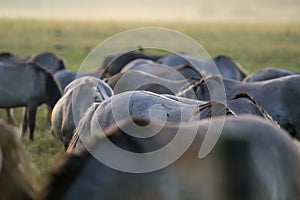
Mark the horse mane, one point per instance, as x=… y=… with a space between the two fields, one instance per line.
x=183 y=66
x=259 y=107
x=191 y=87
x=209 y=105
x=52 y=86
x=197 y=83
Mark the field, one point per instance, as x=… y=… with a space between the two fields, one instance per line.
x=254 y=45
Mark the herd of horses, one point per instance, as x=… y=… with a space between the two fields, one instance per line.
x=141 y=102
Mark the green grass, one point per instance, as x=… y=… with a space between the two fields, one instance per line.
x=254 y=45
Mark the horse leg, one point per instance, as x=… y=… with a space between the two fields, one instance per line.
x=10 y=114
x=25 y=121
x=31 y=115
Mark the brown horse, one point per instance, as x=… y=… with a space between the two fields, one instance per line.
x=16 y=177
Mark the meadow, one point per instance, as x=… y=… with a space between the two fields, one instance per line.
x=254 y=45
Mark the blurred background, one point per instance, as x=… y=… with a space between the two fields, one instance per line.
x=155 y=10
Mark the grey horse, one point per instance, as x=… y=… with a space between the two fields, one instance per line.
x=249 y=162
x=279 y=97
x=66 y=76
x=240 y=104
x=77 y=98
x=48 y=60
x=267 y=74
x=138 y=80
x=27 y=85
x=181 y=72
x=147 y=106
x=113 y=64
x=227 y=67
x=8 y=57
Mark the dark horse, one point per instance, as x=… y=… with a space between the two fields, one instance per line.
x=244 y=164
x=114 y=64
x=28 y=85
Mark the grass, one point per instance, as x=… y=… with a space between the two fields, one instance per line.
x=254 y=45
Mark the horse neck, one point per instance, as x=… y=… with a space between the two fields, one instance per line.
x=52 y=89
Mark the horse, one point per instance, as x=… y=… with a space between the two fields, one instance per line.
x=148 y=106
x=8 y=57
x=17 y=180
x=114 y=64
x=173 y=60
x=246 y=163
x=138 y=80
x=27 y=85
x=240 y=104
x=163 y=71
x=267 y=74
x=136 y=62
x=131 y=79
x=48 y=60
x=243 y=103
x=77 y=98
x=227 y=67
x=66 y=76
x=279 y=97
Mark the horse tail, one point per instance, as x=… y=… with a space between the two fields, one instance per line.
x=83 y=127
x=219 y=109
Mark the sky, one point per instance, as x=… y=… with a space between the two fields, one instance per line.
x=154 y=10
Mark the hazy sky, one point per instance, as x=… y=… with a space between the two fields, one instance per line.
x=154 y=10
